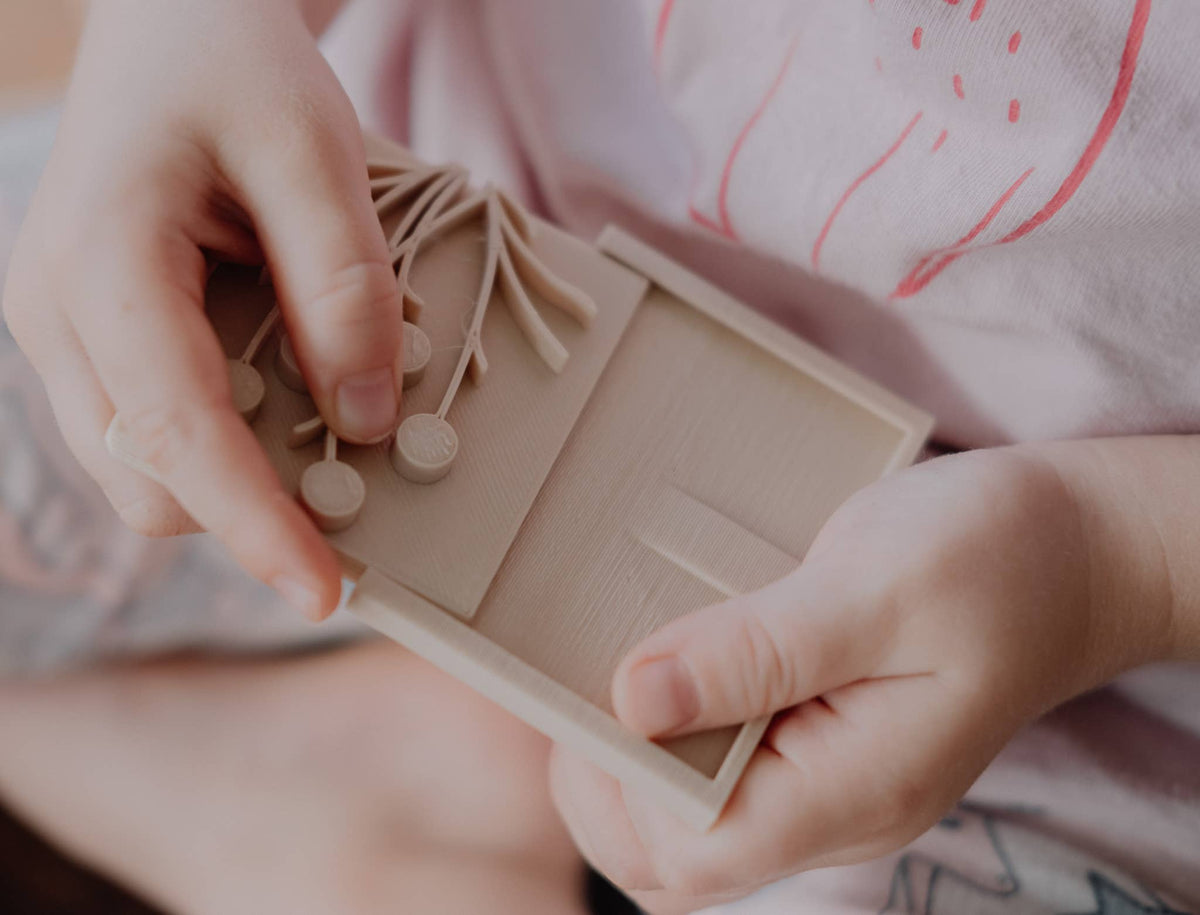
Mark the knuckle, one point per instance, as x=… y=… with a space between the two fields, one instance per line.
x=131 y=204
x=310 y=126
x=133 y=214
x=163 y=436
x=360 y=298
x=766 y=674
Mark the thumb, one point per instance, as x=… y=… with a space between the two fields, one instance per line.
x=750 y=656
x=307 y=192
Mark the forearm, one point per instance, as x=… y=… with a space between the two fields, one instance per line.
x=1139 y=513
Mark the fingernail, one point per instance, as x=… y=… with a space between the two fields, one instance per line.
x=366 y=405
x=299 y=595
x=662 y=696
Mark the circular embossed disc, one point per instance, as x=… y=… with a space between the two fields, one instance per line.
x=424 y=449
x=287 y=368
x=333 y=493
x=417 y=350
x=248 y=389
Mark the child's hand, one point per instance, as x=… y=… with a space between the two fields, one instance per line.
x=937 y=612
x=191 y=127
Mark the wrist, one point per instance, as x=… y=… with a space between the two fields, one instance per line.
x=1133 y=531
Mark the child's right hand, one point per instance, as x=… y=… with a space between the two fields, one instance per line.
x=191 y=127
x=939 y=611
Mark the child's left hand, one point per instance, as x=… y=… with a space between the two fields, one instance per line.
x=938 y=611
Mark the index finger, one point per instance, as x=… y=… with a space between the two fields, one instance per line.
x=162 y=366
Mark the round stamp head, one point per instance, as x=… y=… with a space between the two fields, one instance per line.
x=417 y=352
x=248 y=389
x=334 y=494
x=425 y=447
x=287 y=368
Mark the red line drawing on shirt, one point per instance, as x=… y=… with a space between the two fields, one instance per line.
x=660 y=31
x=921 y=277
x=958 y=86
x=937 y=144
x=1104 y=131
x=1014 y=43
x=700 y=219
x=1130 y=55
x=724 y=223
x=858 y=183
x=1014 y=111
x=977 y=10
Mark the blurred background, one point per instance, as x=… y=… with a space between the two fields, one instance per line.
x=37 y=43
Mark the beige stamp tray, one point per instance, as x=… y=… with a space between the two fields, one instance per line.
x=686 y=451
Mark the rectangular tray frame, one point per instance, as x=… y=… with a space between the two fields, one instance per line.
x=540 y=701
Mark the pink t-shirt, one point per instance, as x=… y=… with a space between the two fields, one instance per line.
x=991 y=207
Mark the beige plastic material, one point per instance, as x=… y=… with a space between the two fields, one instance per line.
x=425 y=447
x=417 y=353
x=308 y=431
x=288 y=368
x=248 y=389
x=332 y=492
x=688 y=451
x=245 y=381
x=510 y=427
